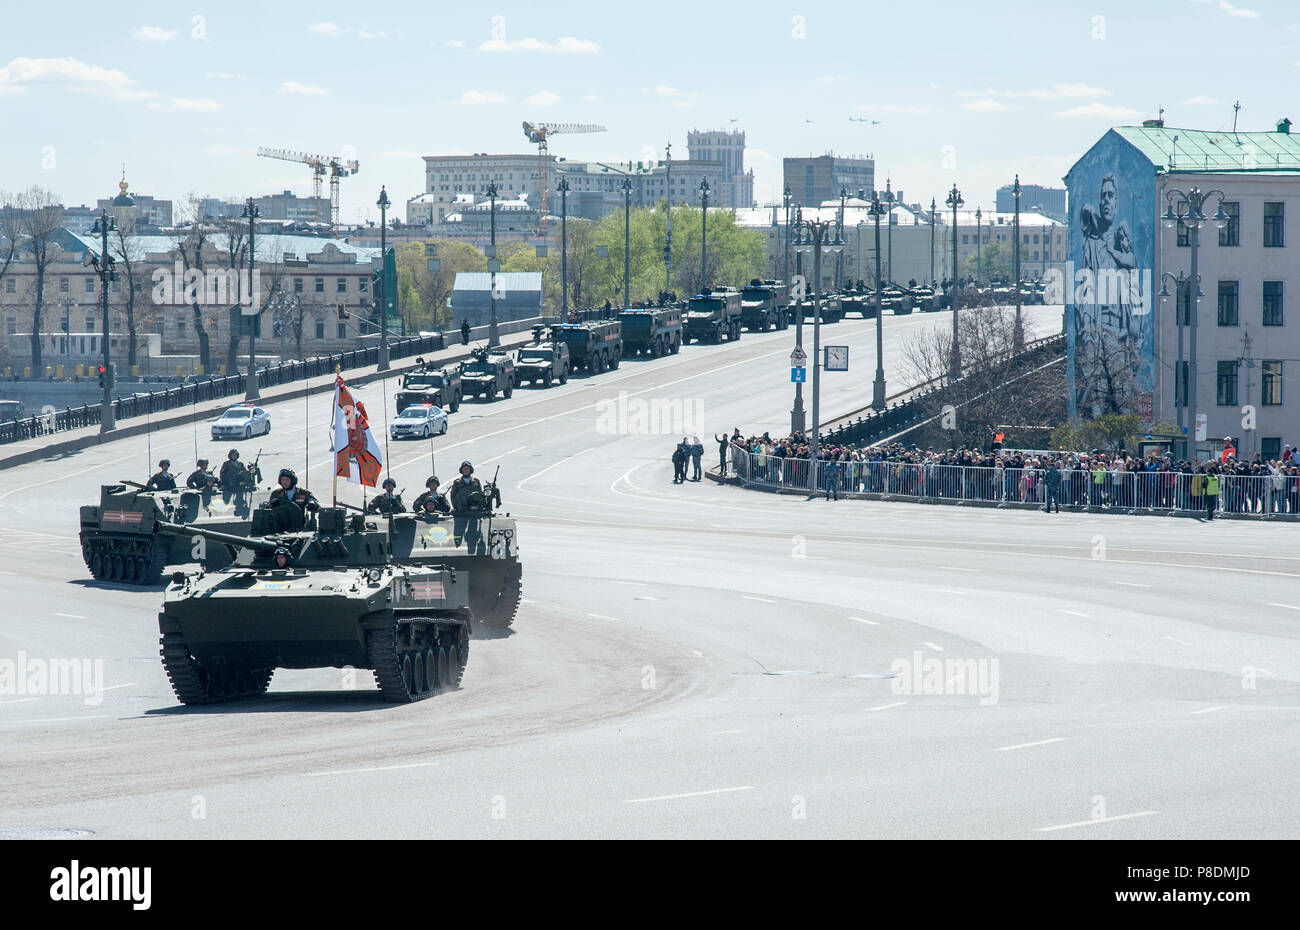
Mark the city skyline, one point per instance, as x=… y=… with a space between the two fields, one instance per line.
x=184 y=101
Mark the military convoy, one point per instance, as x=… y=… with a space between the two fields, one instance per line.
x=713 y=314
x=654 y=331
x=488 y=374
x=543 y=362
x=429 y=384
x=765 y=305
x=596 y=346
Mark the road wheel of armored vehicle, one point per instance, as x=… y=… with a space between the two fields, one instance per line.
x=547 y=380
x=97 y=564
x=397 y=661
x=564 y=375
x=614 y=361
x=509 y=390
x=490 y=395
x=502 y=612
x=676 y=344
x=455 y=405
x=195 y=684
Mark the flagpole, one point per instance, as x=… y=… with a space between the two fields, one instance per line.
x=334 y=465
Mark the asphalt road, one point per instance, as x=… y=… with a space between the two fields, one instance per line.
x=694 y=660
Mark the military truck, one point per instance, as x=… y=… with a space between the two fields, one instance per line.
x=596 y=346
x=328 y=596
x=119 y=542
x=488 y=374
x=654 y=331
x=764 y=305
x=542 y=362
x=429 y=384
x=712 y=314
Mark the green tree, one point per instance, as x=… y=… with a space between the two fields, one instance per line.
x=423 y=292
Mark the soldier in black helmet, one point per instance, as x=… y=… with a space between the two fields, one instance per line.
x=462 y=489
x=431 y=500
x=163 y=480
x=388 y=503
x=235 y=481
x=289 y=491
x=281 y=557
x=201 y=479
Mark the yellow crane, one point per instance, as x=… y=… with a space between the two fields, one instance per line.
x=321 y=165
x=539 y=133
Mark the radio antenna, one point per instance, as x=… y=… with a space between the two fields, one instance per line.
x=148 y=441
x=306 y=436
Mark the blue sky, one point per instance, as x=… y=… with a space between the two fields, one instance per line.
x=964 y=92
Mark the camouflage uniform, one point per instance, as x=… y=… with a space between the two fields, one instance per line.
x=439 y=502
x=385 y=505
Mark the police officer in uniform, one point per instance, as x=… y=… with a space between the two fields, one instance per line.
x=288 y=491
x=388 y=503
x=432 y=500
x=163 y=480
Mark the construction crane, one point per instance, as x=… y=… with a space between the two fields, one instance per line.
x=540 y=133
x=321 y=165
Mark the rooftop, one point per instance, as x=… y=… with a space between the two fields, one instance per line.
x=1183 y=150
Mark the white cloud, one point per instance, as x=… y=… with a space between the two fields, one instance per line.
x=454 y=43
x=1200 y=101
x=1074 y=91
x=367 y=33
x=333 y=30
x=1097 y=110
x=1234 y=11
x=592 y=98
x=888 y=108
x=69 y=73
x=674 y=96
x=226 y=76
x=568 y=45
x=477 y=97
x=153 y=34
x=295 y=87
x=182 y=103
x=987 y=105
x=543 y=98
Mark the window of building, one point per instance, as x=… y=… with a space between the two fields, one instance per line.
x=965 y=239
x=90 y=324
x=1272 y=303
x=1184 y=236
x=1274 y=217
x=11 y=286
x=88 y=285
x=297 y=285
x=320 y=328
x=320 y=285
x=1272 y=384
x=1230 y=235
x=1035 y=254
x=11 y=325
x=341 y=285
x=1270 y=448
x=1228 y=303
x=64 y=285
x=180 y=326
x=1226 y=381
x=342 y=330
x=1180 y=384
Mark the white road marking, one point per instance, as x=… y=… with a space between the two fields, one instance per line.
x=1089 y=823
x=18 y=701
x=690 y=794
x=1287 y=606
x=538 y=474
x=11 y=574
x=1041 y=742
x=1181 y=642
x=886 y=706
x=935 y=646
x=634 y=584
x=1073 y=613
x=380 y=768
x=1129 y=584
x=129 y=684
x=1208 y=710
x=750 y=597
x=697 y=653
x=71 y=616
x=650 y=562
x=602 y=617
x=726 y=732
x=955 y=568
x=527 y=600
x=865 y=620
x=62 y=719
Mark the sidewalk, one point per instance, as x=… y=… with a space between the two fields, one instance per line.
x=68 y=441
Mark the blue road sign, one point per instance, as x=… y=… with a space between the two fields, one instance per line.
x=798 y=375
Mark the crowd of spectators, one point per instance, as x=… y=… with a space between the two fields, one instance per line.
x=1099 y=479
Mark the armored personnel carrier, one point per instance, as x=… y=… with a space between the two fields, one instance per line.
x=119 y=541
x=428 y=384
x=542 y=362
x=328 y=596
x=713 y=314
x=488 y=374
x=764 y=305
x=655 y=331
x=596 y=346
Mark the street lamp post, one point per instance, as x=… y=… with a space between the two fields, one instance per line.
x=704 y=233
x=493 y=265
x=889 y=196
x=668 y=217
x=785 y=270
x=979 y=241
x=252 y=389
x=839 y=233
x=954 y=371
x=815 y=239
x=876 y=211
x=1193 y=217
x=797 y=422
x=563 y=188
x=1018 y=335
x=1182 y=288
x=104 y=265
x=933 y=215
x=627 y=241
x=383 y=203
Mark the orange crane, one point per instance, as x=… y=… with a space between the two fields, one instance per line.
x=320 y=165
x=540 y=133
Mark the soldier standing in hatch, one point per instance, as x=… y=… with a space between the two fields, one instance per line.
x=203 y=481
x=388 y=503
x=466 y=526
x=432 y=500
x=289 y=491
x=163 y=480
x=235 y=482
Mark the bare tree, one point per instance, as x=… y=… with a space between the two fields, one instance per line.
x=11 y=231
x=231 y=243
x=126 y=250
x=193 y=251
x=41 y=217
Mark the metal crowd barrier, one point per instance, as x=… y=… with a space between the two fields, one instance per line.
x=1136 y=491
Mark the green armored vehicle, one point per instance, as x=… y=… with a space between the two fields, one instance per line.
x=655 y=331
x=488 y=374
x=543 y=362
x=119 y=541
x=324 y=597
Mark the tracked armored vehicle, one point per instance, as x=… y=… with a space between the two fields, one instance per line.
x=328 y=596
x=119 y=541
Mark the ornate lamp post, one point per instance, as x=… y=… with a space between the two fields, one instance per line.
x=704 y=233
x=563 y=188
x=954 y=369
x=933 y=222
x=876 y=211
x=252 y=390
x=1018 y=335
x=839 y=233
x=493 y=339
x=103 y=264
x=1187 y=208
x=627 y=241
x=668 y=218
x=979 y=241
x=797 y=423
x=785 y=269
x=1182 y=289
x=815 y=239
x=383 y=203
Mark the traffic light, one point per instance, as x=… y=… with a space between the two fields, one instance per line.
x=103 y=377
x=343 y=311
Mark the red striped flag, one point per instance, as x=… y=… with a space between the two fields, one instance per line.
x=356 y=453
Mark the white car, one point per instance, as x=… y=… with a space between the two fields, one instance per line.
x=243 y=421
x=419 y=421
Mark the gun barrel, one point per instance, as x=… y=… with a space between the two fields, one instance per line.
x=240 y=542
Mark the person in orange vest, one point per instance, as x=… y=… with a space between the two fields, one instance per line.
x=1228 y=450
x=997 y=440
